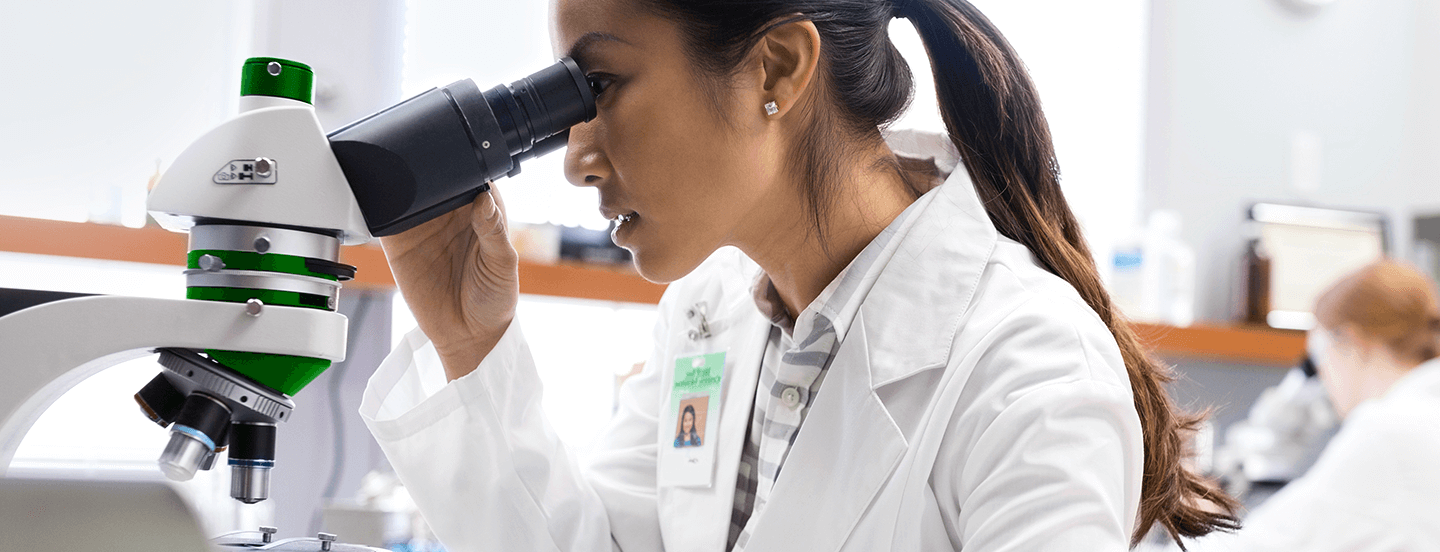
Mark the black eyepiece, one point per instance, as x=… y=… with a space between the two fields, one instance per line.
x=435 y=152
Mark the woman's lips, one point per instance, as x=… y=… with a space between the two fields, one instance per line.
x=624 y=226
x=617 y=214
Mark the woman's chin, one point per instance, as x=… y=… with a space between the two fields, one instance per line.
x=658 y=267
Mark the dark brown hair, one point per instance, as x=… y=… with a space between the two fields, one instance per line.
x=1389 y=302
x=992 y=112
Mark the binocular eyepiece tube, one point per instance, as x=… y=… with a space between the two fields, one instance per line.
x=432 y=153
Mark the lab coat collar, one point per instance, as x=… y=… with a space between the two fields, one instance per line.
x=935 y=270
x=850 y=445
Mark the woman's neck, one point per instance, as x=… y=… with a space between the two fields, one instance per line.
x=784 y=243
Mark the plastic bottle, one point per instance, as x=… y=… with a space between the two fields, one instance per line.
x=1127 y=279
x=1168 y=272
x=1152 y=273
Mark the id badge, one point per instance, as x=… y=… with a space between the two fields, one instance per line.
x=692 y=418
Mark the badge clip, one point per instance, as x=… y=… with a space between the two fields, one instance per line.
x=696 y=314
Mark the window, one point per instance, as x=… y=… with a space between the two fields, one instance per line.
x=1088 y=61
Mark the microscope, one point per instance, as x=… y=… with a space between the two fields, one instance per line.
x=268 y=199
x=1285 y=432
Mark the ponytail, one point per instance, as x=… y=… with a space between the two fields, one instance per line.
x=992 y=112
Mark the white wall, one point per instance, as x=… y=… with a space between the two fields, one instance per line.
x=96 y=94
x=1232 y=85
x=1423 y=124
x=356 y=48
x=1088 y=61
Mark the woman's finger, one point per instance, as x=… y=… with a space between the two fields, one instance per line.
x=491 y=228
x=488 y=217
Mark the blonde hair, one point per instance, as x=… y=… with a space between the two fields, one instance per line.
x=1390 y=302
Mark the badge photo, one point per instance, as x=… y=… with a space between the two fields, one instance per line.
x=690 y=430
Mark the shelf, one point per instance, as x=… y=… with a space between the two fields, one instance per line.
x=1253 y=345
x=158 y=246
x=1239 y=345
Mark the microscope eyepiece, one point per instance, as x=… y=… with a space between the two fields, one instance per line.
x=432 y=153
x=541 y=105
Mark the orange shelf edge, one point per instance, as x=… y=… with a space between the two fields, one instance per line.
x=155 y=245
x=1238 y=344
x=1247 y=345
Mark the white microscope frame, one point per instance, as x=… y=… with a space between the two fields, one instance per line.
x=47 y=349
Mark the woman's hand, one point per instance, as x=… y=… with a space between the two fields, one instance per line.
x=460 y=276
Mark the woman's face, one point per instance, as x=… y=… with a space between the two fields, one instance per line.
x=1339 y=359
x=657 y=147
x=687 y=422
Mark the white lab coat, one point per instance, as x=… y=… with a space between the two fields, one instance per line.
x=976 y=402
x=1375 y=488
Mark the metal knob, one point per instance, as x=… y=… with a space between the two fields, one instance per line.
x=325 y=540
x=211 y=263
x=267 y=533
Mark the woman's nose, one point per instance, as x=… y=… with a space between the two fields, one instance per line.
x=585 y=161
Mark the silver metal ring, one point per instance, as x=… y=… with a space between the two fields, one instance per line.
x=245 y=399
x=232 y=237
x=254 y=279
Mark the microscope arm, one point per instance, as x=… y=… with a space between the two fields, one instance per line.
x=107 y=330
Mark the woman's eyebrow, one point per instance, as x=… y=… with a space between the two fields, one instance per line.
x=580 y=51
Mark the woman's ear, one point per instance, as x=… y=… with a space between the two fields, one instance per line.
x=788 y=58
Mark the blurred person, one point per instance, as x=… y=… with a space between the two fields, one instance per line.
x=1377 y=484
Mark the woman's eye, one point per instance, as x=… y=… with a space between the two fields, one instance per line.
x=599 y=82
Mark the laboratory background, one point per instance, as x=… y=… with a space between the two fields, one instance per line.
x=1228 y=159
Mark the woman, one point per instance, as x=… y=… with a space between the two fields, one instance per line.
x=900 y=363
x=1375 y=485
x=687 y=437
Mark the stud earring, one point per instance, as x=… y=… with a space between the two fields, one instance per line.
x=771 y=108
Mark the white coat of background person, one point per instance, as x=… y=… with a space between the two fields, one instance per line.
x=975 y=398
x=1376 y=486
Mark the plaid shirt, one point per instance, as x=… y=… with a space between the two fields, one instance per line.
x=792 y=371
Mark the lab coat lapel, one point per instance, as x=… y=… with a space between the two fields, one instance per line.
x=850 y=445
x=846 y=451
x=742 y=332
